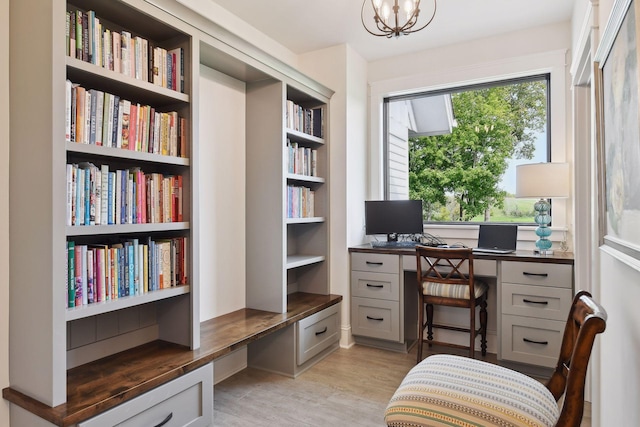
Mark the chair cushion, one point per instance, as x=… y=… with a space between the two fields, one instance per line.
x=453 y=291
x=445 y=390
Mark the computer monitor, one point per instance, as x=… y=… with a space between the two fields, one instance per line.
x=393 y=217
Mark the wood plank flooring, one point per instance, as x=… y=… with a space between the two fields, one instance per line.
x=348 y=388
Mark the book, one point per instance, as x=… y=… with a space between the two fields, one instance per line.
x=71 y=274
x=78 y=276
x=99 y=117
x=67 y=113
x=90 y=277
x=124 y=124
x=93 y=97
x=104 y=195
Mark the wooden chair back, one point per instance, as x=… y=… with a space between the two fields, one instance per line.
x=449 y=266
x=586 y=319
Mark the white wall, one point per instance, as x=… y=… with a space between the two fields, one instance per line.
x=616 y=373
x=4 y=207
x=222 y=193
x=343 y=70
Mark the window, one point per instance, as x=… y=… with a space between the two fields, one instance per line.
x=457 y=149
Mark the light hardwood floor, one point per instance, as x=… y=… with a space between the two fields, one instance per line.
x=348 y=388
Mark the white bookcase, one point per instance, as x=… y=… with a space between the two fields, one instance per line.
x=46 y=337
x=285 y=253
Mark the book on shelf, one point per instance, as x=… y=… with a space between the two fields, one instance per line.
x=71 y=274
x=90 y=40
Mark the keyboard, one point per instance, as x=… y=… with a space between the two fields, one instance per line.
x=402 y=244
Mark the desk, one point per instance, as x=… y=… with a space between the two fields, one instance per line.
x=529 y=299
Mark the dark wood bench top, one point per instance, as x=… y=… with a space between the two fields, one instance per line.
x=103 y=384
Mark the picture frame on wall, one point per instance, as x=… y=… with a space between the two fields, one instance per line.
x=617 y=83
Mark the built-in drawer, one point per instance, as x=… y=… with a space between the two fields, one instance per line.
x=376 y=263
x=318 y=332
x=537 y=273
x=375 y=318
x=375 y=285
x=536 y=301
x=185 y=401
x=530 y=340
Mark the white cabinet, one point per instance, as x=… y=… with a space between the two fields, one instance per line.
x=376 y=305
x=185 y=401
x=535 y=301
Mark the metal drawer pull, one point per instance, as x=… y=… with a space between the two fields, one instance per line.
x=322 y=331
x=166 y=420
x=369 y=285
x=535 y=342
x=380 y=319
x=374 y=263
x=535 y=274
x=535 y=302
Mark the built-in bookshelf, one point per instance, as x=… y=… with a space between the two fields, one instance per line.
x=101 y=186
x=287 y=194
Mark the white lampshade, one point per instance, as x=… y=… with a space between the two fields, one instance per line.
x=542 y=180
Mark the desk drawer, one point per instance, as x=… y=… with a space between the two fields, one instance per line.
x=375 y=285
x=533 y=341
x=537 y=273
x=375 y=318
x=188 y=399
x=376 y=263
x=536 y=301
x=318 y=332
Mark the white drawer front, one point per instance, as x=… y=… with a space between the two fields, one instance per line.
x=318 y=332
x=377 y=263
x=533 y=341
x=375 y=318
x=375 y=285
x=536 y=301
x=537 y=273
x=187 y=399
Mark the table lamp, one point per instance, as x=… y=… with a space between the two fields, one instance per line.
x=543 y=181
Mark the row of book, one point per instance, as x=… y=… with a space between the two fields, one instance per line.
x=99 y=118
x=306 y=120
x=98 y=273
x=301 y=160
x=121 y=51
x=99 y=196
x=300 y=202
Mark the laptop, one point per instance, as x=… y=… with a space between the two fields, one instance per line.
x=497 y=238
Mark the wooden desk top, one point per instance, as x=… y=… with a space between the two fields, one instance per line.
x=103 y=384
x=526 y=256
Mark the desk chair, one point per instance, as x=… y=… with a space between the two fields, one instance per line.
x=446 y=390
x=445 y=277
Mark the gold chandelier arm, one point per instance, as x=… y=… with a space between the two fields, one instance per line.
x=385 y=28
x=435 y=7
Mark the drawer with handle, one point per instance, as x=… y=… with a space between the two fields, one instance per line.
x=185 y=401
x=529 y=340
x=376 y=263
x=536 y=273
x=318 y=332
x=375 y=285
x=536 y=301
x=375 y=318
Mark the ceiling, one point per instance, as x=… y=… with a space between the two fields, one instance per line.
x=307 y=25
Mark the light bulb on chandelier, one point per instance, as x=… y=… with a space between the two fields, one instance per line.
x=396 y=26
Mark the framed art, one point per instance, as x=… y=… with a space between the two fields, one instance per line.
x=618 y=129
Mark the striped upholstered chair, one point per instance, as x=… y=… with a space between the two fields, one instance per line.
x=446 y=390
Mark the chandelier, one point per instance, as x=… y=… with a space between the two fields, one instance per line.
x=390 y=21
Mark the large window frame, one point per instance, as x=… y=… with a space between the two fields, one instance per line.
x=386 y=111
x=427 y=75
